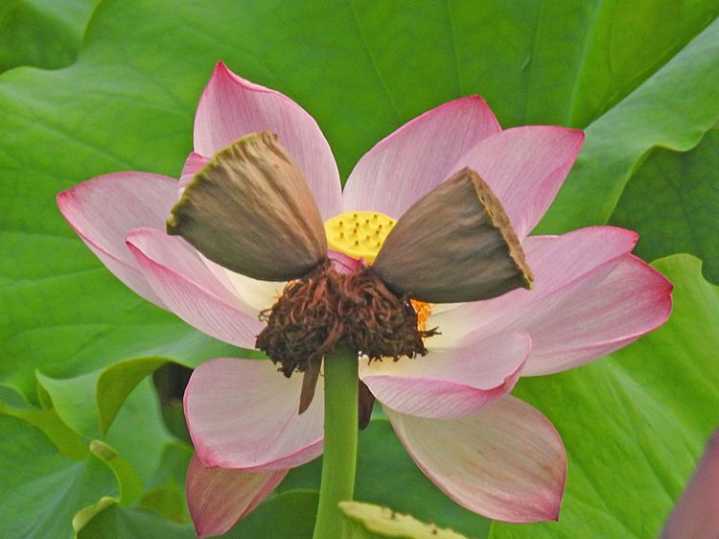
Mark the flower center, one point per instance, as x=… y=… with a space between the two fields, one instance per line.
x=359 y=234
x=327 y=307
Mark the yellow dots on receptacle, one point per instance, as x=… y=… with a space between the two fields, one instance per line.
x=359 y=234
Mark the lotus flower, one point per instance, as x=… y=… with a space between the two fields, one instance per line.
x=452 y=409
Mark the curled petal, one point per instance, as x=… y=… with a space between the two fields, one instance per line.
x=242 y=413
x=525 y=167
x=454 y=244
x=249 y=210
x=506 y=463
x=418 y=156
x=449 y=383
x=231 y=107
x=104 y=209
x=189 y=289
x=218 y=497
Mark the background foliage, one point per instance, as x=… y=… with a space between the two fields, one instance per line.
x=90 y=86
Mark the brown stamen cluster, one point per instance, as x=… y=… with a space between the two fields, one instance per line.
x=325 y=308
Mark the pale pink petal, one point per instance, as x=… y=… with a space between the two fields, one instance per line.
x=605 y=310
x=590 y=297
x=104 y=209
x=189 y=289
x=243 y=413
x=256 y=295
x=449 y=382
x=231 y=107
x=219 y=497
x=506 y=463
x=525 y=167
x=192 y=166
x=555 y=261
x=697 y=512
x=418 y=156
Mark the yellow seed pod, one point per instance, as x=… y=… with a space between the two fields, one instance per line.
x=369 y=230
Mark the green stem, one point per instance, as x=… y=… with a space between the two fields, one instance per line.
x=339 y=461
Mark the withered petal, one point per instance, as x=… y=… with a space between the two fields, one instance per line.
x=250 y=210
x=365 y=403
x=309 y=383
x=455 y=244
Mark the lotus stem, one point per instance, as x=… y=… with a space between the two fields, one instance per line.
x=339 y=462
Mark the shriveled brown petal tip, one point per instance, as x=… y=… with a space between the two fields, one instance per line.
x=250 y=210
x=455 y=244
x=309 y=383
x=365 y=403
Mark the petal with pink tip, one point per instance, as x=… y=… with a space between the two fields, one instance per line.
x=104 y=209
x=607 y=309
x=409 y=163
x=192 y=166
x=506 y=463
x=451 y=382
x=696 y=515
x=590 y=297
x=525 y=167
x=218 y=497
x=189 y=289
x=231 y=107
x=555 y=260
x=242 y=413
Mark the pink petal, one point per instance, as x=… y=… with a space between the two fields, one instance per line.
x=218 y=497
x=696 y=515
x=506 y=463
x=590 y=297
x=193 y=164
x=104 y=209
x=256 y=295
x=186 y=285
x=242 y=413
x=555 y=260
x=449 y=382
x=525 y=167
x=231 y=107
x=603 y=311
x=418 y=156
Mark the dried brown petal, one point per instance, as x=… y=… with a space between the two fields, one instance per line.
x=250 y=210
x=454 y=244
x=309 y=383
x=365 y=400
